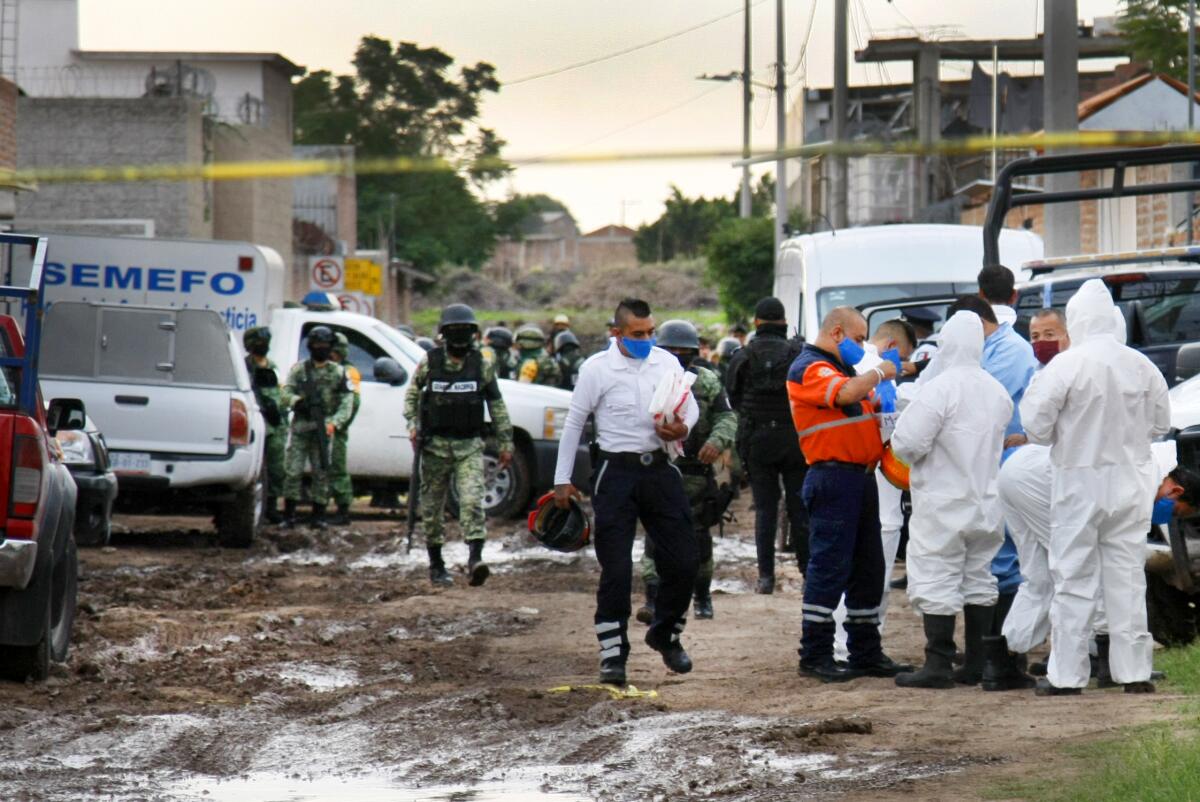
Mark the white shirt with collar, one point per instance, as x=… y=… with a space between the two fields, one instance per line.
x=618 y=390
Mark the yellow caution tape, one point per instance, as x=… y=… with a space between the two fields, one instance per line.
x=628 y=692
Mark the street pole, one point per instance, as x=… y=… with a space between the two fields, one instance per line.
x=781 y=202
x=1191 y=99
x=838 y=189
x=746 y=97
x=995 y=103
x=1060 y=55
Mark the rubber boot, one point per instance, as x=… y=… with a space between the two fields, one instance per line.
x=702 y=599
x=977 y=622
x=1004 y=603
x=318 y=517
x=272 y=511
x=1103 y=671
x=289 y=513
x=645 y=613
x=765 y=586
x=1004 y=670
x=938 y=671
x=477 y=569
x=438 y=574
x=342 y=516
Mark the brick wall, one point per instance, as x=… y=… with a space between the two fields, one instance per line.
x=8 y=125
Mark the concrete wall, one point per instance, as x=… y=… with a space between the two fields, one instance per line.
x=64 y=132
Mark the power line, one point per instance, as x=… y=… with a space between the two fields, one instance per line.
x=803 y=54
x=626 y=51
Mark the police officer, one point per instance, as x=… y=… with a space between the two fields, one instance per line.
x=634 y=481
x=569 y=358
x=445 y=411
x=340 y=485
x=264 y=378
x=535 y=366
x=321 y=402
x=757 y=385
x=713 y=435
x=498 y=344
x=923 y=319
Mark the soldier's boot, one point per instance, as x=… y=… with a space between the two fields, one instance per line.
x=272 y=511
x=702 y=606
x=477 y=569
x=645 y=613
x=977 y=623
x=938 y=671
x=317 y=521
x=438 y=574
x=342 y=516
x=289 y=513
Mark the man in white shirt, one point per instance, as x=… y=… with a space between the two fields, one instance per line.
x=633 y=480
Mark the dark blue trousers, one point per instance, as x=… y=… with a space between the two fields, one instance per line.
x=621 y=496
x=845 y=557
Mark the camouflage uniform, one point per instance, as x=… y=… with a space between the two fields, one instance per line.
x=717 y=425
x=538 y=367
x=340 y=486
x=337 y=399
x=268 y=397
x=446 y=459
x=504 y=359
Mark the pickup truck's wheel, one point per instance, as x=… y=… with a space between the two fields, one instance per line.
x=238 y=521
x=96 y=527
x=1170 y=612
x=33 y=662
x=506 y=492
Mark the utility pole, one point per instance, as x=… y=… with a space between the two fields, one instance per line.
x=1191 y=101
x=781 y=189
x=1060 y=55
x=747 y=95
x=837 y=183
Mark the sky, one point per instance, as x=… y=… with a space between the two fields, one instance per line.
x=646 y=100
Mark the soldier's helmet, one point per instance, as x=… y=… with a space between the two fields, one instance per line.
x=499 y=337
x=678 y=334
x=341 y=345
x=727 y=346
x=530 y=336
x=565 y=339
x=389 y=371
x=426 y=343
x=256 y=335
x=458 y=315
x=320 y=335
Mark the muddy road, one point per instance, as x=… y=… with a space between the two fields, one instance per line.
x=324 y=666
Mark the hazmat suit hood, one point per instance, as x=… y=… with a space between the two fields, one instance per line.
x=1091 y=312
x=1122 y=331
x=1166 y=458
x=962 y=341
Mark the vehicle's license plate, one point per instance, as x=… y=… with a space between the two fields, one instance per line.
x=130 y=461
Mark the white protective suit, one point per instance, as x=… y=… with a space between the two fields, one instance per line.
x=952 y=435
x=1098 y=405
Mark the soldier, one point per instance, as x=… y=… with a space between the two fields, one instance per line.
x=444 y=407
x=321 y=402
x=535 y=365
x=714 y=434
x=264 y=378
x=498 y=344
x=340 y=486
x=569 y=357
x=560 y=324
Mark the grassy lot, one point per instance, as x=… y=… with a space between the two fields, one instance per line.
x=583 y=321
x=1156 y=763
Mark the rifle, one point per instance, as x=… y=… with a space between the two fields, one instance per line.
x=314 y=410
x=414 y=492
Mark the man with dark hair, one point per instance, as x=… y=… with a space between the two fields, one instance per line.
x=1048 y=334
x=997 y=287
x=634 y=480
x=757 y=384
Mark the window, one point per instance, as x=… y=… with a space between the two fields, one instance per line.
x=1169 y=309
x=363 y=350
x=830 y=297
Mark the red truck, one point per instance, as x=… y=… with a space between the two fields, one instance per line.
x=38 y=560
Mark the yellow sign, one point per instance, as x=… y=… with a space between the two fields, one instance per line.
x=363 y=275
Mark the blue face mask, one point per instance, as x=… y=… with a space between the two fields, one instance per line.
x=638 y=349
x=1164 y=508
x=850 y=352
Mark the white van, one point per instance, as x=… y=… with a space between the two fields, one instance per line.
x=856 y=266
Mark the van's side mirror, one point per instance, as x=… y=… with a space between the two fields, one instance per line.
x=1187 y=362
x=65 y=415
x=389 y=371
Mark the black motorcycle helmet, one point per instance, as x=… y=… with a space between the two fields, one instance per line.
x=560 y=530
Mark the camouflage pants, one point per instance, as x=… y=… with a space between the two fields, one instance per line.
x=695 y=487
x=273 y=450
x=302 y=449
x=444 y=460
x=340 y=486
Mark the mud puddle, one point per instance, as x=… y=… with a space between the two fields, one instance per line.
x=269 y=788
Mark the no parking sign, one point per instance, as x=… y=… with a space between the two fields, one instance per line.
x=327 y=273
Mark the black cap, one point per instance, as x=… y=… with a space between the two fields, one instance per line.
x=769 y=309
x=922 y=314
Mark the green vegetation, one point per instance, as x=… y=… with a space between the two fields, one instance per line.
x=1156 y=33
x=583 y=321
x=741 y=263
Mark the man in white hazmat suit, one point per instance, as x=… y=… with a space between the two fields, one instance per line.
x=952 y=435
x=1098 y=405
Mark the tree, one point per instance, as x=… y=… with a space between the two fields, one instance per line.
x=409 y=100
x=1156 y=32
x=682 y=229
x=741 y=263
x=509 y=214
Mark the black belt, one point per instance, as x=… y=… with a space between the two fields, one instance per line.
x=857 y=467
x=769 y=424
x=632 y=459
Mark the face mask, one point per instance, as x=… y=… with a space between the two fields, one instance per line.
x=685 y=360
x=638 y=349
x=1164 y=508
x=320 y=353
x=850 y=352
x=260 y=348
x=1045 y=350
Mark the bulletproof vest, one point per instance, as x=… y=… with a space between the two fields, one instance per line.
x=453 y=404
x=764 y=397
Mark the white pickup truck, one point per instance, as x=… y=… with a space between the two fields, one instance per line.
x=380 y=455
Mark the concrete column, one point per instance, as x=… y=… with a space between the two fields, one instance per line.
x=1060 y=50
x=841 y=97
x=927 y=97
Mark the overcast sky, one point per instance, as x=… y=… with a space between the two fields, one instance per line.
x=646 y=100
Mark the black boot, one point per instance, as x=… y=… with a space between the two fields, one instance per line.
x=612 y=671
x=1103 y=670
x=271 y=511
x=977 y=622
x=766 y=585
x=645 y=613
x=673 y=655
x=477 y=569
x=318 y=517
x=342 y=516
x=702 y=599
x=1044 y=688
x=1004 y=670
x=900 y=583
x=289 y=513
x=437 y=568
x=1004 y=603
x=938 y=671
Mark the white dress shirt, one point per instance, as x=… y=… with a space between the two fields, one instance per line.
x=617 y=389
